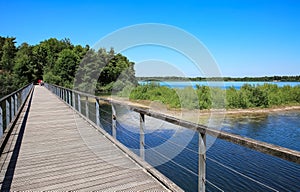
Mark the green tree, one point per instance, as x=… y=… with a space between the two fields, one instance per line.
x=119 y=69
x=204 y=95
x=188 y=98
x=88 y=72
x=255 y=96
x=8 y=54
x=23 y=69
x=39 y=59
x=232 y=98
x=2 y=41
x=6 y=83
x=64 y=69
x=53 y=47
x=103 y=72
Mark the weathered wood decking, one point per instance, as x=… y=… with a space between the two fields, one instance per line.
x=53 y=148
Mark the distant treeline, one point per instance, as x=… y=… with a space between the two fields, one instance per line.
x=204 y=97
x=243 y=79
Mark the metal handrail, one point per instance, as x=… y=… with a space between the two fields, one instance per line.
x=68 y=95
x=10 y=106
x=13 y=93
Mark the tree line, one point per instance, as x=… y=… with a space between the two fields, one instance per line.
x=242 y=79
x=57 y=61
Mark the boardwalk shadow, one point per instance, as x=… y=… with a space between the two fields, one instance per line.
x=6 y=185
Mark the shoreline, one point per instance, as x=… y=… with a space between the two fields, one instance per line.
x=253 y=110
x=159 y=107
x=264 y=110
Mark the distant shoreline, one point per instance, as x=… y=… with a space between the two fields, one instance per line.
x=225 y=79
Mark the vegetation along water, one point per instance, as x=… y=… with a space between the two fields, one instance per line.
x=199 y=96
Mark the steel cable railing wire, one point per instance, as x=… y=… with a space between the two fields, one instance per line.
x=215 y=186
x=106 y=121
x=229 y=168
x=215 y=161
x=195 y=152
x=241 y=174
x=185 y=147
x=177 y=164
x=150 y=148
x=91 y=113
x=105 y=111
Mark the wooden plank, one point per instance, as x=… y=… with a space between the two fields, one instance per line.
x=62 y=151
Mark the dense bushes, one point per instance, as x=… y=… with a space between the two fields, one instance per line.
x=204 y=97
x=154 y=92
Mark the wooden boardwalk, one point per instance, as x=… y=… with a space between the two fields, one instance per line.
x=53 y=148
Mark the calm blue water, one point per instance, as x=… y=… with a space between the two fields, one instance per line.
x=229 y=166
x=223 y=85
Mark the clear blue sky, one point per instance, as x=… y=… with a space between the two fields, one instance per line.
x=246 y=37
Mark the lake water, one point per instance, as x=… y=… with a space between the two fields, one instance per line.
x=230 y=167
x=223 y=85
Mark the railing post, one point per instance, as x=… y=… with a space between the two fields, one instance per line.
x=142 y=136
x=114 y=121
x=87 y=106
x=16 y=103
x=202 y=162
x=21 y=97
x=73 y=99
x=7 y=112
x=97 y=113
x=65 y=95
x=18 y=100
x=12 y=106
x=1 y=122
x=69 y=97
x=79 y=103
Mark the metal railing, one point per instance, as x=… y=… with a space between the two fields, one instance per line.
x=75 y=99
x=10 y=106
